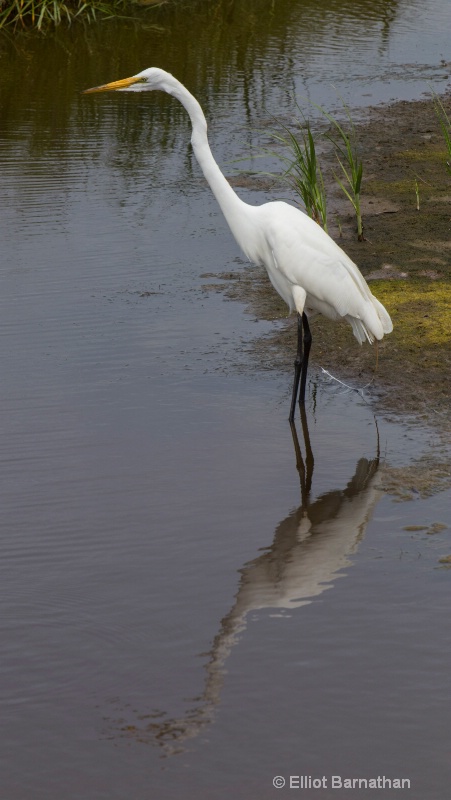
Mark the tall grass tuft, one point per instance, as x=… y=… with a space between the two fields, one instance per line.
x=303 y=172
x=41 y=14
x=417 y=194
x=445 y=124
x=350 y=163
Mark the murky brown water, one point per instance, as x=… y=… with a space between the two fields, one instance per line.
x=178 y=618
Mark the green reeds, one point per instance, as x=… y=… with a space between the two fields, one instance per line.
x=44 y=13
x=445 y=124
x=417 y=194
x=351 y=165
x=303 y=172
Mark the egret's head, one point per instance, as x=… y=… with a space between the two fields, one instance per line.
x=146 y=80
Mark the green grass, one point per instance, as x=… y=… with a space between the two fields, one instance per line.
x=351 y=165
x=42 y=14
x=445 y=124
x=303 y=172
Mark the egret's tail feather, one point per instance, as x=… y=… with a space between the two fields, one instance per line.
x=373 y=323
x=384 y=316
x=359 y=330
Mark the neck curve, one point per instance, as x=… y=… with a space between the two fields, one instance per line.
x=231 y=205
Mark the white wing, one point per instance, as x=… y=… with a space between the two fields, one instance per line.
x=297 y=252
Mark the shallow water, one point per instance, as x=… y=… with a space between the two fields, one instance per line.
x=179 y=619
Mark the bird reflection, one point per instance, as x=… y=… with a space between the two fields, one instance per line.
x=311 y=548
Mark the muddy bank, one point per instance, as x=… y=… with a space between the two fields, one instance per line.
x=406 y=256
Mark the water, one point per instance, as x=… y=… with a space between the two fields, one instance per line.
x=177 y=619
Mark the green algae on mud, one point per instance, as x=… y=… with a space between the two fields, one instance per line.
x=406 y=258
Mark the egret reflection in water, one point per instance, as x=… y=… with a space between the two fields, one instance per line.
x=311 y=548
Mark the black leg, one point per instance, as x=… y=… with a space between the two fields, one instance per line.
x=301 y=363
x=307 y=346
x=297 y=370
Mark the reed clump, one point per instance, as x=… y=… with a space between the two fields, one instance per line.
x=445 y=125
x=303 y=172
x=43 y=14
x=351 y=165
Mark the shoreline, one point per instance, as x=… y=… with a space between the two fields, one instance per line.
x=406 y=259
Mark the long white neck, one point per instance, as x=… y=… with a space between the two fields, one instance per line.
x=231 y=205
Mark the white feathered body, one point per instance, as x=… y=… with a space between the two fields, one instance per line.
x=308 y=269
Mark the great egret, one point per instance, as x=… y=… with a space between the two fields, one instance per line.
x=305 y=266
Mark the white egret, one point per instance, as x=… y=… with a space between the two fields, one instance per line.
x=305 y=266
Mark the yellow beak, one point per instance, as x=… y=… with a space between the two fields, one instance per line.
x=108 y=87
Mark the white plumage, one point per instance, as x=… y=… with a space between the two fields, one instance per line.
x=305 y=266
x=298 y=254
